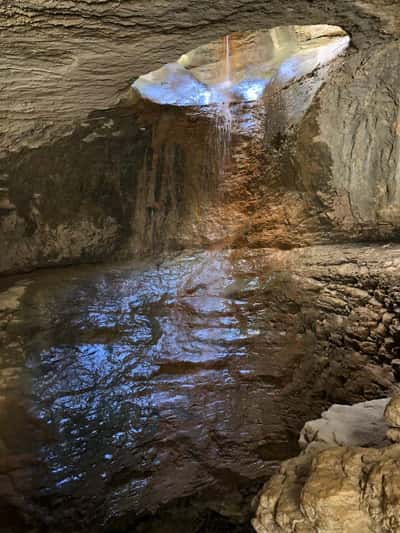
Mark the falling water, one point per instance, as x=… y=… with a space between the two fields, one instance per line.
x=224 y=115
x=227 y=58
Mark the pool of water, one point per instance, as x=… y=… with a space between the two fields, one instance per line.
x=140 y=385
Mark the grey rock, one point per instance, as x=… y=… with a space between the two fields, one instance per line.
x=361 y=424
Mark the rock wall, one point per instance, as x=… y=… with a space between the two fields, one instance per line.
x=336 y=305
x=148 y=178
x=291 y=178
x=62 y=61
x=72 y=157
x=348 y=148
x=71 y=201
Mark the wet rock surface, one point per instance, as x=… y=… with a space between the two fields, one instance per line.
x=177 y=388
x=341 y=484
x=143 y=179
x=71 y=201
x=359 y=193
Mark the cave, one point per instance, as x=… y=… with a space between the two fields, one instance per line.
x=200 y=275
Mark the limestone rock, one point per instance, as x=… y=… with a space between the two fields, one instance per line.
x=77 y=179
x=361 y=424
x=84 y=54
x=10 y=298
x=393 y=434
x=332 y=489
x=392 y=412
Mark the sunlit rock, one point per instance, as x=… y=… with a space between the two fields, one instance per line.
x=337 y=484
x=241 y=66
x=392 y=412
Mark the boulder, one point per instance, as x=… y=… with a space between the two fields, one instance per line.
x=337 y=485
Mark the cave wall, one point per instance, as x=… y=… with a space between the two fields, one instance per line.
x=314 y=162
x=71 y=201
x=348 y=146
x=79 y=177
x=62 y=60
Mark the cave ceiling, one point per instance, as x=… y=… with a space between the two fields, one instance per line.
x=62 y=60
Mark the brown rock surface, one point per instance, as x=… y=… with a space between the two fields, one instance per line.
x=337 y=489
x=293 y=325
x=73 y=176
x=392 y=413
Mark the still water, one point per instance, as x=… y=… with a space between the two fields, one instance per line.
x=152 y=382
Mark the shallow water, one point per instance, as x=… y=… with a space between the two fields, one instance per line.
x=148 y=383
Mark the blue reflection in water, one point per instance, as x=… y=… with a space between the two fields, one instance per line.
x=134 y=368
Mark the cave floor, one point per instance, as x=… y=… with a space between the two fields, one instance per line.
x=128 y=390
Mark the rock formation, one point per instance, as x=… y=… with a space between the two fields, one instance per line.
x=345 y=480
x=73 y=171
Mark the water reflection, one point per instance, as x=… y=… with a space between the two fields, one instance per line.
x=153 y=381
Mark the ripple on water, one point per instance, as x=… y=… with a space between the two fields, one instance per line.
x=152 y=381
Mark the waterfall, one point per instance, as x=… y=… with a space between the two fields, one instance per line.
x=227 y=59
x=224 y=115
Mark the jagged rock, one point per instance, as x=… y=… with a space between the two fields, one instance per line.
x=387 y=318
x=336 y=489
x=396 y=365
x=9 y=299
x=91 y=50
x=393 y=435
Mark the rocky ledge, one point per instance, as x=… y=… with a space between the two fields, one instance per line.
x=346 y=479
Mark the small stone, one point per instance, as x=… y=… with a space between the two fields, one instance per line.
x=394 y=327
x=381 y=330
x=368 y=347
x=359 y=294
x=354 y=330
x=393 y=435
x=384 y=356
x=366 y=315
x=375 y=303
x=379 y=295
x=392 y=411
x=389 y=342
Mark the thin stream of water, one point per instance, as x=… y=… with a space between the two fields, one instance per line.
x=224 y=117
